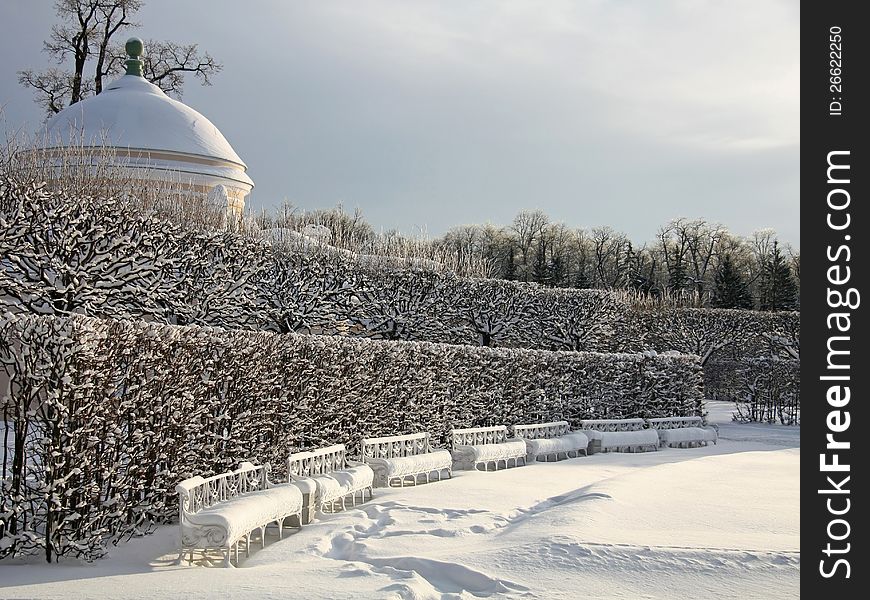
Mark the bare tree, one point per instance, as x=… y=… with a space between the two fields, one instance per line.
x=702 y=241
x=673 y=246
x=794 y=256
x=608 y=246
x=73 y=37
x=166 y=64
x=528 y=225
x=52 y=87
x=114 y=18
x=86 y=34
x=581 y=252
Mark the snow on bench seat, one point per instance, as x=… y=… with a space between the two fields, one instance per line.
x=217 y=512
x=400 y=457
x=551 y=440
x=477 y=446
x=620 y=435
x=336 y=478
x=683 y=432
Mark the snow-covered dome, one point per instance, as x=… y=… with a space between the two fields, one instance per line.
x=147 y=128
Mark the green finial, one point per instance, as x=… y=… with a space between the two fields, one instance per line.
x=134 y=48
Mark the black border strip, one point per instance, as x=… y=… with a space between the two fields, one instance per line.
x=833 y=128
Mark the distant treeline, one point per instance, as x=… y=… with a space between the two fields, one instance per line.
x=693 y=262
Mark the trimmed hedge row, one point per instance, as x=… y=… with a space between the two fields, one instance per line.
x=99 y=257
x=764 y=390
x=102 y=418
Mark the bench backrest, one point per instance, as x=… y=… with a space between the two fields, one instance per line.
x=395 y=446
x=537 y=431
x=674 y=422
x=317 y=462
x=479 y=436
x=613 y=424
x=198 y=492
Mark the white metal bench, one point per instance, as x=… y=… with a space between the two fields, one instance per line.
x=337 y=479
x=551 y=439
x=683 y=432
x=400 y=457
x=218 y=512
x=477 y=446
x=619 y=435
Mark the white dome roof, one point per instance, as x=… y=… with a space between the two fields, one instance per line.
x=134 y=113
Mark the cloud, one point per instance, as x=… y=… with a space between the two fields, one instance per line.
x=616 y=112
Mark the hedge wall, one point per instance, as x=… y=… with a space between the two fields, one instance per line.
x=102 y=418
x=98 y=257
x=765 y=390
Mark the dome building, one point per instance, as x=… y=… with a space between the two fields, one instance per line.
x=143 y=128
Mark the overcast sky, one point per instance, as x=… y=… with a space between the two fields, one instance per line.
x=434 y=114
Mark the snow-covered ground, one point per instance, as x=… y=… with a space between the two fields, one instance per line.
x=717 y=522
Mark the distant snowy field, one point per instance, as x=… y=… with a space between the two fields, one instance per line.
x=717 y=522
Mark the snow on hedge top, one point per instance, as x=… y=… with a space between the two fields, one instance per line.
x=134 y=113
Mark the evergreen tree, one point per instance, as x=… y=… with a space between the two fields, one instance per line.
x=778 y=289
x=731 y=289
x=677 y=276
x=556 y=272
x=581 y=280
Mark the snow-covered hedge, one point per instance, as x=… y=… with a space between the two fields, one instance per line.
x=103 y=417
x=765 y=390
x=100 y=257
x=714 y=334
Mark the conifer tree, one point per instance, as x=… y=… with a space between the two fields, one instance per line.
x=731 y=289
x=677 y=276
x=778 y=289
